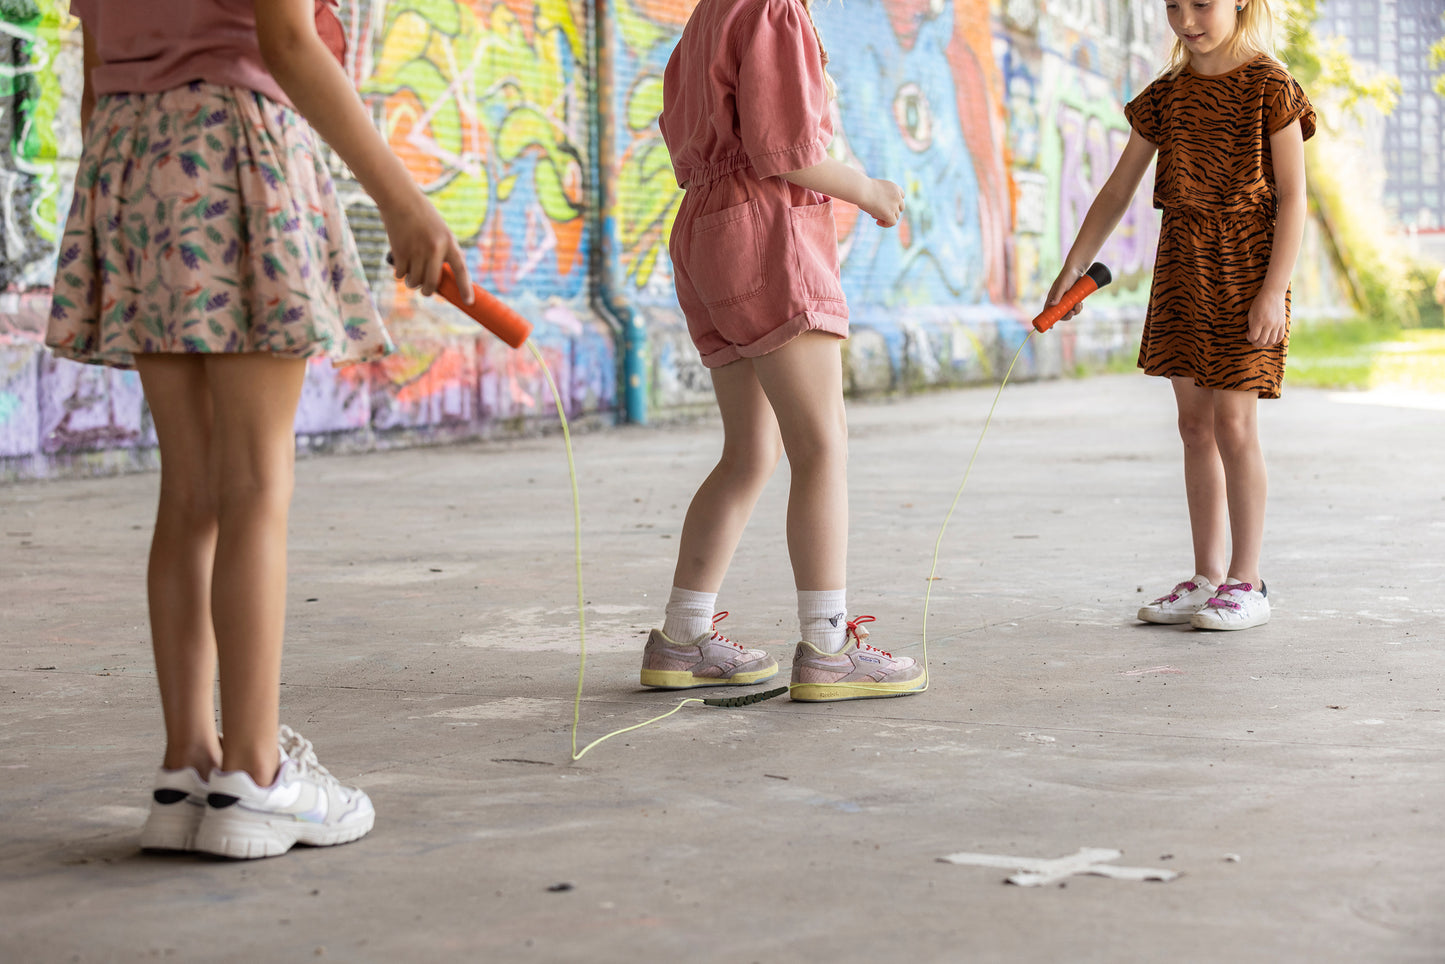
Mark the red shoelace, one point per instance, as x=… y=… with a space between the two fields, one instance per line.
x=856 y=630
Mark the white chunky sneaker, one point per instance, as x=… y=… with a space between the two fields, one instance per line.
x=1235 y=605
x=304 y=805
x=177 y=804
x=1179 y=604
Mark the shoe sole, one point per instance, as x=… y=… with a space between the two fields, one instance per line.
x=1226 y=627
x=1164 y=619
x=837 y=692
x=249 y=840
x=674 y=679
x=167 y=830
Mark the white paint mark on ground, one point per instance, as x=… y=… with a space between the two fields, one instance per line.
x=511 y=708
x=1038 y=871
x=1038 y=738
x=1152 y=669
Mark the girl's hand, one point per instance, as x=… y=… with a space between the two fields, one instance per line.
x=1267 y=322
x=884 y=202
x=1063 y=283
x=420 y=243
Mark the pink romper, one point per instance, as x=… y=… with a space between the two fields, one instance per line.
x=755 y=258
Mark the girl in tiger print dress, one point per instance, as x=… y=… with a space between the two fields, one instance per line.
x=1229 y=125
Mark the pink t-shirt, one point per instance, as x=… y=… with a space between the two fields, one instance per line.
x=147 y=46
x=745 y=88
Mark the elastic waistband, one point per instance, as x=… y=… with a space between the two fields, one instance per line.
x=1250 y=213
x=728 y=165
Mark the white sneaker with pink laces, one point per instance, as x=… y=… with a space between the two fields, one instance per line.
x=1235 y=605
x=1179 y=604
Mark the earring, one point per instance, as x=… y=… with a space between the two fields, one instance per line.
x=1239 y=8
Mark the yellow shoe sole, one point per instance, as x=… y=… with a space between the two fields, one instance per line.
x=833 y=692
x=674 y=679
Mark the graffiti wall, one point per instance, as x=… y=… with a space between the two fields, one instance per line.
x=532 y=125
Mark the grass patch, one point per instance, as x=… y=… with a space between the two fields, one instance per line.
x=1359 y=354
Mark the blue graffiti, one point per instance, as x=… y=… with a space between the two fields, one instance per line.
x=935 y=255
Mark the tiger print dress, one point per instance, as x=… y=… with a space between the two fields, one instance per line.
x=1214 y=181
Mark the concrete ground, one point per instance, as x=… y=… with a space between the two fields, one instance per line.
x=1293 y=775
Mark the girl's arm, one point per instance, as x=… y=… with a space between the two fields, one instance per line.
x=1267 y=321
x=322 y=93
x=881 y=199
x=1104 y=214
x=87 y=92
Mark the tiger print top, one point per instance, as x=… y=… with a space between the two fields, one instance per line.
x=1214 y=180
x=1213 y=134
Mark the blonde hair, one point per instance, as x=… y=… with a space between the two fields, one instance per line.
x=1253 y=35
x=832 y=88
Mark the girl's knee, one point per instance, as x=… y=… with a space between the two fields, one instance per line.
x=1235 y=433
x=821 y=451
x=752 y=464
x=1235 y=422
x=267 y=489
x=192 y=502
x=1196 y=428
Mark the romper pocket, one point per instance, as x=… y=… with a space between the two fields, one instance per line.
x=725 y=262
x=815 y=251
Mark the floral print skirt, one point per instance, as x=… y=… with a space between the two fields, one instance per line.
x=204 y=220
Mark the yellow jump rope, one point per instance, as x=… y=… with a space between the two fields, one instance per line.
x=750 y=698
x=516 y=330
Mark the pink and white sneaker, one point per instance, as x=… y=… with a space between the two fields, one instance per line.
x=858 y=672
x=1235 y=605
x=1179 y=604
x=709 y=660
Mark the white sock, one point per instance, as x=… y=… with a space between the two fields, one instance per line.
x=688 y=615
x=823 y=618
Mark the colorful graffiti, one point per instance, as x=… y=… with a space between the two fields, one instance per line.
x=1067 y=81
x=532 y=125
x=484 y=103
x=899 y=117
x=647 y=195
x=39 y=58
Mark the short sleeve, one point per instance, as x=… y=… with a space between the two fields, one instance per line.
x=1290 y=104
x=1143 y=115
x=782 y=96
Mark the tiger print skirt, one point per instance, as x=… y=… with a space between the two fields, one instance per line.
x=1209 y=269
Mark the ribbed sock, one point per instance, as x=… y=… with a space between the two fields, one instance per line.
x=823 y=618
x=688 y=615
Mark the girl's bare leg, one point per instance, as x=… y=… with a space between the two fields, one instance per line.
x=720 y=510
x=1204 y=482
x=1236 y=431
x=178 y=580
x=803 y=381
x=254 y=398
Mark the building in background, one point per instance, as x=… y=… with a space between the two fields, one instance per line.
x=1394 y=37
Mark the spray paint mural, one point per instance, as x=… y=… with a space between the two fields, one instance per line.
x=532 y=125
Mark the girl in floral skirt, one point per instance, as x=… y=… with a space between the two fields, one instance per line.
x=206 y=249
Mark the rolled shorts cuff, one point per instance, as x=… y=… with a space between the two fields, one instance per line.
x=833 y=324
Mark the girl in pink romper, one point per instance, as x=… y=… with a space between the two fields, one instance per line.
x=205 y=248
x=755 y=260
